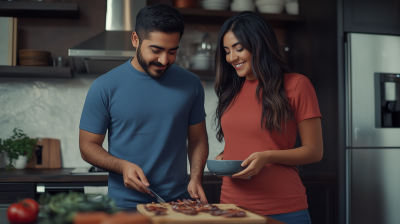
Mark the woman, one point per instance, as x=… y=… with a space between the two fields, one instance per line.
x=261 y=106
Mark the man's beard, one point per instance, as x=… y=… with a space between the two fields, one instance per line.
x=145 y=66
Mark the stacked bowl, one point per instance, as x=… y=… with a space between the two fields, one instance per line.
x=242 y=5
x=215 y=4
x=270 y=6
x=32 y=57
x=292 y=7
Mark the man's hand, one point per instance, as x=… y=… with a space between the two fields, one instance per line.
x=197 y=154
x=196 y=190
x=134 y=177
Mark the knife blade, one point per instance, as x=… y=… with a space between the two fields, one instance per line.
x=159 y=199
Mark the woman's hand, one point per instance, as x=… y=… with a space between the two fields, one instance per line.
x=220 y=156
x=255 y=162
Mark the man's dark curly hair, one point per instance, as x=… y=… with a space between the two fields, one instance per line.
x=159 y=17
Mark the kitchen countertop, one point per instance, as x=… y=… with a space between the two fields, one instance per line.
x=4 y=220
x=47 y=175
x=63 y=175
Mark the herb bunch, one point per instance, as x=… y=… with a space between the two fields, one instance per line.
x=61 y=207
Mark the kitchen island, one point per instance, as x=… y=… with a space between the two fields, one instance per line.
x=16 y=184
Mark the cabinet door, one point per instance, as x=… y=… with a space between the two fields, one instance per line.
x=212 y=192
x=217 y=192
x=13 y=192
x=209 y=192
x=321 y=201
x=372 y=16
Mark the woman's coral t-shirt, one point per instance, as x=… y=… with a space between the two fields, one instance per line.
x=277 y=188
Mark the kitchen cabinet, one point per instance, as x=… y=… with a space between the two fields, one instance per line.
x=212 y=191
x=373 y=16
x=38 y=10
x=13 y=192
x=53 y=26
x=321 y=198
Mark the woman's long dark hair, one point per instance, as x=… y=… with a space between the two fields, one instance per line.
x=257 y=37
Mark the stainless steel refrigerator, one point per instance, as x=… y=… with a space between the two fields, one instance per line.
x=372 y=129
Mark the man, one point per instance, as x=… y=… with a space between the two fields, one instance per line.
x=150 y=107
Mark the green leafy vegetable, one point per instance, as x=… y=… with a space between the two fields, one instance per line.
x=61 y=207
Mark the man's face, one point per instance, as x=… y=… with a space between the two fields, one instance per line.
x=157 y=53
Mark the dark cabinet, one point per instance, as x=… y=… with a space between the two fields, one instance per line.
x=13 y=192
x=322 y=201
x=212 y=191
x=372 y=16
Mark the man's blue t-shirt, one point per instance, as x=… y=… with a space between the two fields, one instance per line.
x=147 y=121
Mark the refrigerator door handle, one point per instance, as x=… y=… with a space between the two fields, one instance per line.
x=347 y=58
x=348 y=187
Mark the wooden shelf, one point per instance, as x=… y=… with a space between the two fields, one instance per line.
x=199 y=15
x=39 y=9
x=35 y=71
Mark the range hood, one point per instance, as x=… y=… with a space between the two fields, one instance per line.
x=112 y=47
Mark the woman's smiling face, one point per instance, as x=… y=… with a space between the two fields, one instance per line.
x=237 y=56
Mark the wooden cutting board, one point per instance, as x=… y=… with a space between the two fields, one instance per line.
x=201 y=217
x=51 y=155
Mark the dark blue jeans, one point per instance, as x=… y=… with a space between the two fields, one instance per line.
x=299 y=217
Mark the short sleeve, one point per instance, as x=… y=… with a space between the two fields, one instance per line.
x=305 y=104
x=95 y=116
x=197 y=112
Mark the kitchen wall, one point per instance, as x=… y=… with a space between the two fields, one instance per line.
x=51 y=108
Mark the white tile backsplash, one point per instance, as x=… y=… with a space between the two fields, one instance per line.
x=52 y=108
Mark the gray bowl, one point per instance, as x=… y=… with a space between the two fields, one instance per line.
x=224 y=167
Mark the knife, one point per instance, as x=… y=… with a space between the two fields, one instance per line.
x=159 y=199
